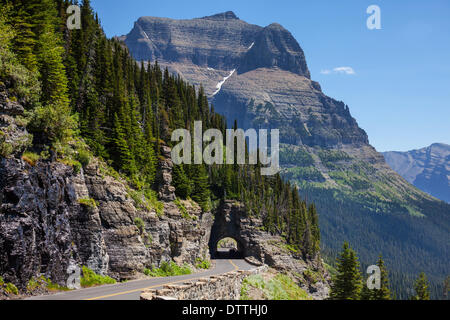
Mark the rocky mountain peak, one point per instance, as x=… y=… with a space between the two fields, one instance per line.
x=221 y=41
x=275 y=46
x=275 y=26
x=229 y=15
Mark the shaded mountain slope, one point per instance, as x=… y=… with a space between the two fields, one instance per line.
x=427 y=168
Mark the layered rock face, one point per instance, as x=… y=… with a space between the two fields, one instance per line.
x=427 y=168
x=256 y=75
x=45 y=229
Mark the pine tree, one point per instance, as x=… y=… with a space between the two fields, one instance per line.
x=421 y=288
x=347 y=283
x=124 y=158
x=366 y=293
x=25 y=40
x=383 y=293
x=200 y=193
x=378 y=294
x=181 y=182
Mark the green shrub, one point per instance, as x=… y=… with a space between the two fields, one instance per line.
x=11 y=289
x=183 y=210
x=76 y=167
x=54 y=286
x=33 y=284
x=5 y=148
x=281 y=287
x=83 y=157
x=312 y=276
x=43 y=282
x=90 y=278
x=168 y=270
x=147 y=200
x=31 y=158
x=2 y=282
x=89 y=202
x=203 y=264
x=139 y=224
x=148 y=239
x=55 y=121
x=290 y=247
x=72 y=163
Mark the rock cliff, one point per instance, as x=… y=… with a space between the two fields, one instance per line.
x=46 y=228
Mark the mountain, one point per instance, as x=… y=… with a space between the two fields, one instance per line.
x=259 y=76
x=86 y=176
x=427 y=168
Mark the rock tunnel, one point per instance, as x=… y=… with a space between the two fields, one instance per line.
x=227 y=224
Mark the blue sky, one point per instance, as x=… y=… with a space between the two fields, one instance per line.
x=400 y=89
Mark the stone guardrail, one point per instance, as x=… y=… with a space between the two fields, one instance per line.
x=226 y=286
x=253 y=261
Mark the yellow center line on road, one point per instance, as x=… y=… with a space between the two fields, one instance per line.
x=235 y=266
x=154 y=286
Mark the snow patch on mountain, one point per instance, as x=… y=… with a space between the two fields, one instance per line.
x=220 y=84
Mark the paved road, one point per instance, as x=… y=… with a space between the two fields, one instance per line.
x=131 y=290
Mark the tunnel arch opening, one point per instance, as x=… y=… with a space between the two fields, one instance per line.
x=227 y=224
x=226 y=248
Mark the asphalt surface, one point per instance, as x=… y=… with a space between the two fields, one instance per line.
x=131 y=290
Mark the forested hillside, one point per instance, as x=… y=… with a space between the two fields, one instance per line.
x=85 y=96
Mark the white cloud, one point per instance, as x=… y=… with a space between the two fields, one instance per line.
x=342 y=70
x=346 y=70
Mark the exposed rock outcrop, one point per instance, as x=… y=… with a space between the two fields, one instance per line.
x=44 y=229
x=166 y=190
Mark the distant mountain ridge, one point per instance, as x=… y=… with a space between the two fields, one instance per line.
x=259 y=76
x=427 y=168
